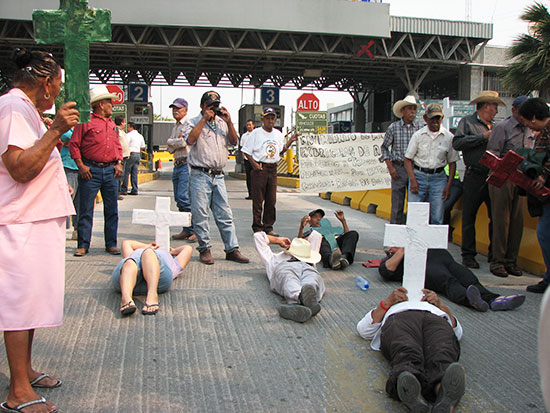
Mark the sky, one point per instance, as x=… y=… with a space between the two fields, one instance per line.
x=504 y=14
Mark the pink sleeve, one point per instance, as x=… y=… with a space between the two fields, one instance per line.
x=16 y=130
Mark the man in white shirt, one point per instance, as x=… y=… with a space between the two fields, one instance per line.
x=420 y=340
x=120 y=122
x=247 y=167
x=430 y=150
x=292 y=273
x=263 y=149
x=136 y=143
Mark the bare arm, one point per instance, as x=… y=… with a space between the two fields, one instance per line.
x=340 y=216
x=196 y=131
x=255 y=165
x=398 y=295
x=304 y=221
x=432 y=298
x=182 y=254
x=129 y=246
x=447 y=190
x=413 y=183
x=393 y=262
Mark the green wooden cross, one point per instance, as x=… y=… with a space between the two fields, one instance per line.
x=329 y=232
x=75 y=25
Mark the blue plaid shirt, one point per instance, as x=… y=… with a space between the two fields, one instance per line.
x=397 y=137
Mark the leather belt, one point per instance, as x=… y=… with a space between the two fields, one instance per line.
x=268 y=164
x=429 y=170
x=400 y=163
x=180 y=161
x=208 y=170
x=99 y=164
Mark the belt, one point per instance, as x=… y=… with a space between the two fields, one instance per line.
x=400 y=163
x=429 y=170
x=267 y=164
x=99 y=164
x=180 y=161
x=208 y=170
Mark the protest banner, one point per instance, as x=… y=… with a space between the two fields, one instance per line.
x=342 y=162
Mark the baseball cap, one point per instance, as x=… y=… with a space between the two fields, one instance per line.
x=317 y=211
x=519 y=101
x=179 y=103
x=433 y=110
x=269 y=111
x=210 y=97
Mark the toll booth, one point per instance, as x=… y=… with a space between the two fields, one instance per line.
x=340 y=126
x=142 y=115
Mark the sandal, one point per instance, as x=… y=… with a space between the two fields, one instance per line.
x=19 y=408
x=128 y=308
x=146 y=309
x=35 y=382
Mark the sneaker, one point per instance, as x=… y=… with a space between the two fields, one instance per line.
x=308 y=297
x=335 y=259
x=344 y=263
x=295 y=312
x=236 y=256
x=538 y=288
x=206 y=257
x=499 y=271
x=508 y=302
x=452 y=389
x=474 y=298
x=470 y=262
x=410 y=393
x=513 y=269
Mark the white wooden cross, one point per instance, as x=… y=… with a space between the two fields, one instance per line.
x=448 y=113
x=162 y=218
x=416 y=237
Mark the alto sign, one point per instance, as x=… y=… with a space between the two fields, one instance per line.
x=308 y=102
x=116 y=90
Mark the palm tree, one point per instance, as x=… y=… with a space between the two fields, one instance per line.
x=530 y=55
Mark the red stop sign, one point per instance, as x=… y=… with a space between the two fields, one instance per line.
x=116 y=90
x=308 y=102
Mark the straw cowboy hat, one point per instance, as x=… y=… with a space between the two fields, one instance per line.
x=99 y=93
x=410 y=100
x=488 y=96
x=301 y=249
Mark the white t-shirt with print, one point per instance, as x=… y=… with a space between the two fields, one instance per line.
x=264 y=146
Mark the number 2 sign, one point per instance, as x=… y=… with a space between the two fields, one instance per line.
x=138 y=92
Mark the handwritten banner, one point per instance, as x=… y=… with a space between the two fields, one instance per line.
x=342 y=162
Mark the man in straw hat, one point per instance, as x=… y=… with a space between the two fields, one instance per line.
x=292 y=273
x=471 y=137
x=395 y=145
x=97 y=152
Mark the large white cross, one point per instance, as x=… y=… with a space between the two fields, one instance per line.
x=448 y=113
x=162 y=218
x=416 y=237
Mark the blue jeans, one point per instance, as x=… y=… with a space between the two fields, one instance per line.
x=208 y=191
x=131 y=169
x=430 y=189
x=180 y=180
x=543 y=234
x=72 y=178
x=103 y=179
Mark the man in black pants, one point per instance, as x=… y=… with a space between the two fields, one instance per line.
x=447 y=277
x=335 y=258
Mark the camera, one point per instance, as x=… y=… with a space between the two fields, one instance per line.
x=217 y=110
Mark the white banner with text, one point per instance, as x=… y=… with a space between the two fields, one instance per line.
x=342 y=162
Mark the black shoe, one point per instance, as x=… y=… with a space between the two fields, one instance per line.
x=452 y=389
x=248 y=197
x=470 y=262
x=538 y=288
x=132 y=193
x=499 y=271
x=410 y=393
x=474 y=298
x=308 y=297
x=295 y=312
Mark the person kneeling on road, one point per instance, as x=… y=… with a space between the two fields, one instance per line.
x=292 y=273
x=420 y=340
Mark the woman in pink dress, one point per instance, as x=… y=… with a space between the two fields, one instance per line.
x=34 y=203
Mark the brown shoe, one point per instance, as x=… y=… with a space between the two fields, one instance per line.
x=80 y=252
x=499 y=271
x=191 y=238
x=206 y=257
x=113 y=250
x=236 y=256
x=513 y=269
x=182 y=235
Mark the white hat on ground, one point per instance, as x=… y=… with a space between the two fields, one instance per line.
x=301 y=249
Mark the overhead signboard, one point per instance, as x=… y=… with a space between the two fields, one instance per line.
x=269 y=96
x=138 y=92
x=311 y=123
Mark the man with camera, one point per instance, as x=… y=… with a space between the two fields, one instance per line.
x=207 y=135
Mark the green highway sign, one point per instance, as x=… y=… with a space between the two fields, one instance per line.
x=311 y=122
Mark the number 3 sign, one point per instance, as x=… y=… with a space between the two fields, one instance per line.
x=270 y=96
x=138 y=92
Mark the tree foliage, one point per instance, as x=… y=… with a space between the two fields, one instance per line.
x=529 y=69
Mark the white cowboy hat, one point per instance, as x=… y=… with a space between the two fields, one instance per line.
x=410 y=100
x=301 y=249
x=488 y=96
x=99 y=93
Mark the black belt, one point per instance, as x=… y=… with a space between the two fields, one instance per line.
x=267 y=164
x=400 y=163
x=429 y=170
x=100 y=164
x=180 y=161
x=208 y=170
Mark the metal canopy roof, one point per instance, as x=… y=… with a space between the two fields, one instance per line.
x=418 y=49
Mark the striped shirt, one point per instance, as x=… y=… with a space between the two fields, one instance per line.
x=397 y=137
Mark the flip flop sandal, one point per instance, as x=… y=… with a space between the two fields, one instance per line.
x=372 y=263
x=128 y=308
x=19 y=408
x=35 y=382
x=147 y=307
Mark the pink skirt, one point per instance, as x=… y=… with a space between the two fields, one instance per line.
x=32 y=274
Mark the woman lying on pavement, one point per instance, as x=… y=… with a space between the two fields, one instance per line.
x=147 y=270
